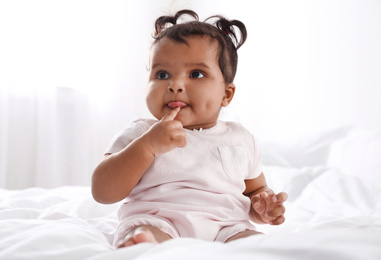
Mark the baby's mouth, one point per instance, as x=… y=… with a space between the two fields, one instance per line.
x=175 y=104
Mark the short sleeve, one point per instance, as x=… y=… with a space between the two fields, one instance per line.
x=126 y=136
x=255 y=165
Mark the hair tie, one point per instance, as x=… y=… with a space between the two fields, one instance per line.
x=226 y=31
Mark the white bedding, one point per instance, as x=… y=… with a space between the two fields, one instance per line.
x=330 y=215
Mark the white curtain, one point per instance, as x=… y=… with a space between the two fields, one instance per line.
x=66 y=86
x=73 y=74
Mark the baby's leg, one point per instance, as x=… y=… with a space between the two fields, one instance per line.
x=243 y=234
x=141 y=234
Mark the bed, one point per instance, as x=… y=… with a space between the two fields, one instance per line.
x=333 y=211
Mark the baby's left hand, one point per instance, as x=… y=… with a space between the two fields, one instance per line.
x=269 y=206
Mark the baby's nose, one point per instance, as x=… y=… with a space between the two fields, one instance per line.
x=176 y=87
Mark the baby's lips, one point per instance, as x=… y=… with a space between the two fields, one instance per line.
x=175 y=104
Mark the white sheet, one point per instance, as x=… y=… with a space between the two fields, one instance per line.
x=330 y=215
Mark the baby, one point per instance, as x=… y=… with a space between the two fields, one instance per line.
x=185 y=173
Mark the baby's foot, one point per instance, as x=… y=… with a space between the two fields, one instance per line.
x=137 y=236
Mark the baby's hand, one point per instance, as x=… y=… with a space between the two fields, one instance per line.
x=269 y=206
x=167 y=134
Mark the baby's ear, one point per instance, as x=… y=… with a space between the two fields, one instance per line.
x=229 y=94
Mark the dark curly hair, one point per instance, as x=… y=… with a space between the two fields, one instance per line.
x=222 y=30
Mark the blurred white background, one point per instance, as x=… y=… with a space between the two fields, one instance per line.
x=73 y=74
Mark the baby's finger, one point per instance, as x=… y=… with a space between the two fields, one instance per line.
x=277 y=221
x=268 y=192
x=267 y=197
x=181 y=140
x=171 y=115
x=278 y=211
x=258 y=204
x=281 y=197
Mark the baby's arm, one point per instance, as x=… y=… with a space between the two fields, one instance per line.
x=117 y=174
x=266 y=206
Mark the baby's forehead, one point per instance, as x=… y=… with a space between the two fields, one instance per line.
x=187 y=40
x=201 y=42
x=196 y=49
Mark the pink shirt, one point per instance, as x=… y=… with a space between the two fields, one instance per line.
x=202 y=181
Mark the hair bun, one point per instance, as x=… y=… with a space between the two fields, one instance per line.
x=227 y=27
x=163 y=21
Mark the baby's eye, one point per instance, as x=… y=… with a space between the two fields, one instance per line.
x=162 y=75
x=196 y=75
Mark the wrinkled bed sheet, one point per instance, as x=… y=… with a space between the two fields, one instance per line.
x=329 y=215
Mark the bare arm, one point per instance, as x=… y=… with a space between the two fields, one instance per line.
x=117 y=174
x=266 y=207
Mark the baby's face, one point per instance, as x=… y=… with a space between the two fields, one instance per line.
x=187 y=76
